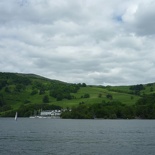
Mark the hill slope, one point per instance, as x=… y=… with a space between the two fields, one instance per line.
x=28 y=90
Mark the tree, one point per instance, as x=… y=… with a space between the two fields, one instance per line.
x=35 y=91
x=7 y=90
x=151 y=89
x=41 y=91
x=85 y=96
x=46 y=99
x=100 y=95
x=19 y=87
x=3 y=83
x=109 y=96
x=2 y=103
x=137 y=88
x=84 y=85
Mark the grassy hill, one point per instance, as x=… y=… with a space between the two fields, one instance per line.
x=23 y=90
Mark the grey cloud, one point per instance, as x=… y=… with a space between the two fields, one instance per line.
x=40 y=12
x=139 y=18
x=79 y=41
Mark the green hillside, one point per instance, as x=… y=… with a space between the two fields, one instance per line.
x=22 y=91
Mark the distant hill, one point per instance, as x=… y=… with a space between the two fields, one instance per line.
x=19 y=92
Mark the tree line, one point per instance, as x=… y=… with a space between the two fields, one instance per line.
x=143 y=109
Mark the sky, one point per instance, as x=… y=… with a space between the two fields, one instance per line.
x=97 y=42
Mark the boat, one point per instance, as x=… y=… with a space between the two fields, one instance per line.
x=16 y=116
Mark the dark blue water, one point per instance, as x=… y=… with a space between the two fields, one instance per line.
x=76 y=137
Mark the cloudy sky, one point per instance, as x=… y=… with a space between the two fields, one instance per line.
x=100 y=42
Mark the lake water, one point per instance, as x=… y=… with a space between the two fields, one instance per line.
x=76 y=137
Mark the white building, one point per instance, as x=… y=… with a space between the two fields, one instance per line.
x=50 y=113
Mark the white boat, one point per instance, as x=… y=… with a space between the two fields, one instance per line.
x=16 y=116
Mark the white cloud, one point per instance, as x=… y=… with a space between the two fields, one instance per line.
x=96 y=42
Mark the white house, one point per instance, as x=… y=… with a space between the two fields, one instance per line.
x=50 y=113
